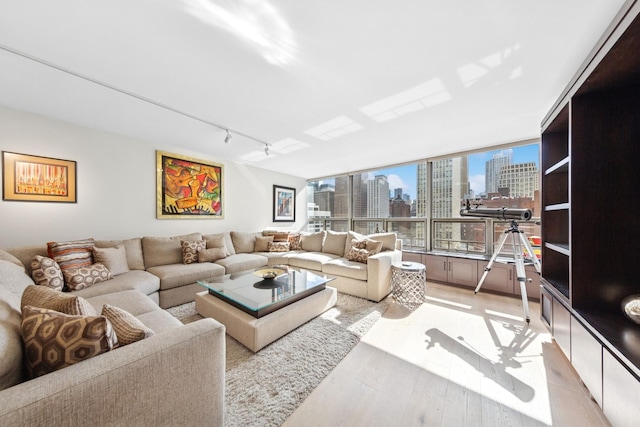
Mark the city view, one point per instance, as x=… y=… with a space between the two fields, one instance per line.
x=379 y=200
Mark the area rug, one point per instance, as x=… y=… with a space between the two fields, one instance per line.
x=264 y=388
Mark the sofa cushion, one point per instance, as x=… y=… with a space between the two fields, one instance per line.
x=42 y=297
x=310 y=260
x=165 y=250
x=115 y=259
x=358 y=255
x=214 y=239
x=242 y=262
x=72 y=254
x=176 y=275
x=334 y=243
x=127 y=327
x=133 y=250
x=138 y=280
x=54 y=340
x=6 y=256
x=295 y=241
x=26 y=253
x=211 y=254
x=262 y=243
x=190 y=250
x=46 y=272
x=345 y=268
x=312 y=242
x=11 y=354
x=83 y=277
x=278 y=236
x=244 y=242
x=388 y=239
x=134 y=302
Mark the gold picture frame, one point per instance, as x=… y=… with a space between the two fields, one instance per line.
x=29 y=178
x=188 y=188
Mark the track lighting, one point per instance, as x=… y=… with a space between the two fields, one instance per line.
x=228 y=137
x=266 y=149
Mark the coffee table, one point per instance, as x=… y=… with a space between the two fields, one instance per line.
x=257 y=312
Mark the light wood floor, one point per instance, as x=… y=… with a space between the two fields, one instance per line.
x=460 y=359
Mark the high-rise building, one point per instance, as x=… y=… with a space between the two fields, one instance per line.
x=341 y=199
x=324 y=197
x=421 y=190
x=450 y=182
x=378 y=197
x=522 y=179
x=493 y=168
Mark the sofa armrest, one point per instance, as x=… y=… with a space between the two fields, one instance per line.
x=379 y=274
x=173 y=378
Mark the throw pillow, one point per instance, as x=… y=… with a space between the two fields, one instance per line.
x=46 y=272
x=220 y=240
x=127 y=327
x=54 y=340
x=211 y=255
x=357 y=255
x=72 y=254
x=373 y=247
x=262 y=243
x=190 y=250
x=243 y=242
x=278 y=236
x=278 y=247
x=43 y=297
x=295 y=242
x=115 y=259
x=83 y=277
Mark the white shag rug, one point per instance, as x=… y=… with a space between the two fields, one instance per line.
x=265 y=388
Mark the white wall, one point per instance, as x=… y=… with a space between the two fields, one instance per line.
x=116 y=188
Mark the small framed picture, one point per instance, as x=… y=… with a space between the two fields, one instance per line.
x=28 y=178
x=284 y=204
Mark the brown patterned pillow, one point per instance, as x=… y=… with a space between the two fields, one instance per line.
x=127 y=327
x=278 y=236
x=46 y=272
x=73 y=254
x=43 y=297
x=83 y=277
x=190 y=250
x=54 y=340
x=278 y=247
x=357 y=255
x=359 y=244
x=211 y=255
x=295 y=242
x=262 y=243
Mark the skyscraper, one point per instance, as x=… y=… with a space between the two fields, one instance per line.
x=493 y=168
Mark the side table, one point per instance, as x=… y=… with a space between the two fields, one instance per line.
x=409 y=283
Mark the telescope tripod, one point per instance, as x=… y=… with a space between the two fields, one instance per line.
x=519 y=243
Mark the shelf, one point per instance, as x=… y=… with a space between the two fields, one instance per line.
x=562 y=248
x=562 y=166
x=557 y=207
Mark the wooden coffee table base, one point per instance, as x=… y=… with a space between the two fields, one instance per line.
x=255 y=333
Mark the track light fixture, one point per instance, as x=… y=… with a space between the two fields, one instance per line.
x=228 y=137
x=266 y=149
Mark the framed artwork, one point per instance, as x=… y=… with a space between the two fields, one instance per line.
x=284 y=204
x=28 y=178
x=188 y=188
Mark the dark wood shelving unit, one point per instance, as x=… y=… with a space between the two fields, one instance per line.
x=591 y=213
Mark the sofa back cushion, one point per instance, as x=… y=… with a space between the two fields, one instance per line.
x=334 y=243
x=244 y=242
x=312 y=242
x=213 y=241
x=26 y=254
x=114 y=259
x=132 y=249
x=165 y=250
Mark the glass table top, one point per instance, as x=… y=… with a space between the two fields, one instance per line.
x=253 y=294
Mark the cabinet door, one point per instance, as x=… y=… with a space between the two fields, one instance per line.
x=500 y=278
x=546 y=308
x=620 y=391
x=532 y=283
x=562 y=327
x=436 y=267
x=586 y=357
x=463 y=271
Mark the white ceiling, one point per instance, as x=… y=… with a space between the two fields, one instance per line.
x=334 y=86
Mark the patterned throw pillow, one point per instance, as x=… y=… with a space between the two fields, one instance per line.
x=359 y=244
x=46 y=272
x=127 y=327
x=115 y=259
x=357 y=255
x=83 y=277
x=262 y=243
x=190 y=250
x=295 y=242
x=278 y=247
x=43 y=297
x=54 y=340
x=211 y=255
x=73 y=254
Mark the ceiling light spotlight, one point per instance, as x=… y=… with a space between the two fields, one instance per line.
x=266 y=149
x=228 y=137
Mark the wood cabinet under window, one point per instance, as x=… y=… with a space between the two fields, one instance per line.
x=590 y=226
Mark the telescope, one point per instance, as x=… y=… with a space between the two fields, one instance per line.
x=497 y=213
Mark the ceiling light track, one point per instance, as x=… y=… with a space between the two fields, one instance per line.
x=228 y=135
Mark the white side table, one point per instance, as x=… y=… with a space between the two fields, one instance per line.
x=409 y=283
